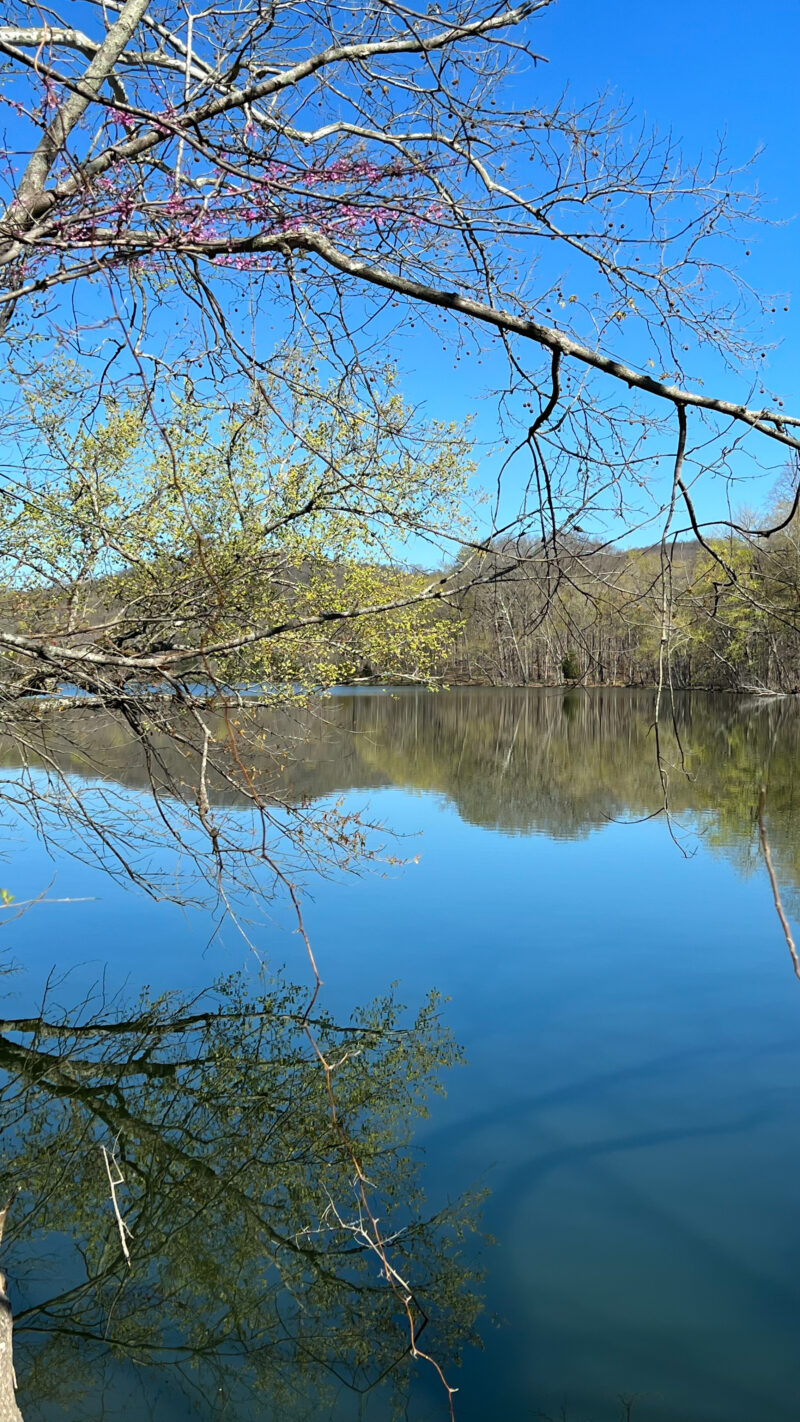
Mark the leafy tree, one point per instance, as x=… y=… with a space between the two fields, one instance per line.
x=250 y=536
x=570 y=666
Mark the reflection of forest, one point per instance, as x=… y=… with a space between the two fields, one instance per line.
x=525 y=761
x=98 y=744
x=519 y=761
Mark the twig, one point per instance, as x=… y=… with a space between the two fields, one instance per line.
x=765 y=849
x=113 y=1181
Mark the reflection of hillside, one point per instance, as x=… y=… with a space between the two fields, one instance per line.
x=519 y=761
x=541 y=762
x=513 y=760
x=538 y=761
x=296 y=750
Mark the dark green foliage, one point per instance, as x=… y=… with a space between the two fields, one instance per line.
x=570 y=665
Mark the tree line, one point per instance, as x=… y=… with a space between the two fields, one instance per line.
x=721 y=613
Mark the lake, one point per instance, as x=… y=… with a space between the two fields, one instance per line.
x=627 y=1110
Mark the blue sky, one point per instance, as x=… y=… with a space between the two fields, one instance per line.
x=701 y=71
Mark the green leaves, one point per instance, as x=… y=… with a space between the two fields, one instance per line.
x=218 y=526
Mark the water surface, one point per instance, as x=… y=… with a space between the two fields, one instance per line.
x=629 y=1012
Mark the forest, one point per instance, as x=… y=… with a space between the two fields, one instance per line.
x=705 y=613
x=722 y=614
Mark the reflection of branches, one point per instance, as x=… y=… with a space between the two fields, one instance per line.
x=664 y=663
x=115 y=1179
x=765 y=850
x=239 y=1187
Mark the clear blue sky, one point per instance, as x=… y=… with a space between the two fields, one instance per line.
x=701 y=70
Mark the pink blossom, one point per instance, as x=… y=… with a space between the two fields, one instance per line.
x=126 y=121
x=176 y=205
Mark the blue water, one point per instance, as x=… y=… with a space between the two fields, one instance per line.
x=632 y=1029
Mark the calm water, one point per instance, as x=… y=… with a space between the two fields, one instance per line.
x=631 y=1022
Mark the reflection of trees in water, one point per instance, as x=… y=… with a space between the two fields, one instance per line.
x=539 y=761
x=252 y=1277
x=521 y=761
x=193 y=812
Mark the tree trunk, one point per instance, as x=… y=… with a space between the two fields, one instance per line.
x=9 y=1412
